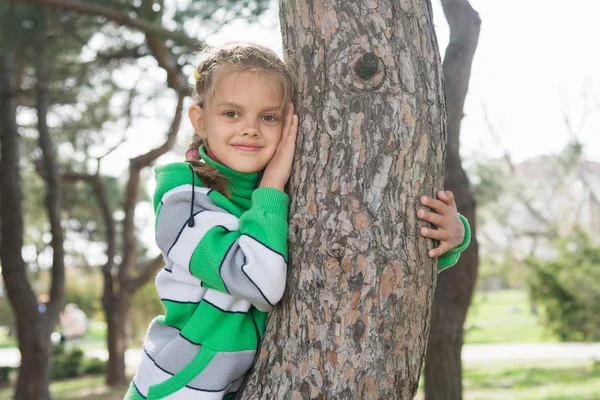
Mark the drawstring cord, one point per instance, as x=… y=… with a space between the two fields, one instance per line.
x=191 y=221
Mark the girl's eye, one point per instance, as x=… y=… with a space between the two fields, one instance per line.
x=230 y=114
x=270 y=118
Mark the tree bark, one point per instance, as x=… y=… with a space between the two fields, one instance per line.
x=443 y=366
x=355 y=318
x=32 y=382
x=33 y=328
x=34 y=340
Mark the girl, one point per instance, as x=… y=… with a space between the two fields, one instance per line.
x=222 y=226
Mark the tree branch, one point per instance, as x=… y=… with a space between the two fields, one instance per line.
x=132 y=191
x=119 y=18
x=147 y=271
x=53 y=184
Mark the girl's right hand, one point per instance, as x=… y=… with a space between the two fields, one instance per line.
x=278 y=171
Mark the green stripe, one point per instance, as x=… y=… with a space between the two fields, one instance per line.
x=273 y=234
x=208 y=256
x=177 y=314
x=220 y=330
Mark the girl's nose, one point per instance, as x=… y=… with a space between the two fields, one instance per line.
x=250 y=130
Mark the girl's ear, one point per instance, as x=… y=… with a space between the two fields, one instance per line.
x=196 y=115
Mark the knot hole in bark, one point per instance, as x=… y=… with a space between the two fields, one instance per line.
x=368 y=72
x=366 y=67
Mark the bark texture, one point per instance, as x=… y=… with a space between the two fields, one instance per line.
x=443 y=367
x=355 y=318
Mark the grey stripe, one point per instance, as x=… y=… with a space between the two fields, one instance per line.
x=236 y=282
x=223 y=369
x=175 y=213
x=171 y=352
x=157 y=338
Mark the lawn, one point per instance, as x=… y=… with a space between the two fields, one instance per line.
x=503 y=316
x=501 y=382
x=517 y=382
x=88 y=388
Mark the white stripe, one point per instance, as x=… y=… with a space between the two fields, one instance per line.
x=265 y=268
x=184 y=188
x=149 y=374
x=226 y=302
x=179 y=285
x=182 y=250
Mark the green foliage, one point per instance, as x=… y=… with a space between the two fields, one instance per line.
x=5 y=373
x=94 y=366
x=65 y=363
x=568 y=288
x=488 y=181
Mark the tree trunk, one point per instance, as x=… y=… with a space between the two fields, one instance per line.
x=34 y=341
x=443 y=367
x=355 y=318
x=116 y=318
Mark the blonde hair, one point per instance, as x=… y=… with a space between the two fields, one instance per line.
x=233 y=57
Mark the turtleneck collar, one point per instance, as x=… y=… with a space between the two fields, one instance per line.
x=239 y=184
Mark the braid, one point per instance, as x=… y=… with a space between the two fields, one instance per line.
x=207 y=174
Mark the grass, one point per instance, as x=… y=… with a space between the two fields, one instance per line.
x=503 y=316
x=492 y=382
x=517 y=382
x=87 y=387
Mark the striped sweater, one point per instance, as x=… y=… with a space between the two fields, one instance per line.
x=226 y=268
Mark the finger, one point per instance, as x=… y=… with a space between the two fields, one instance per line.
x=438 y=251
x=291 y=138
x=436 y=234
x=447 y=197
x=436 y=219
x=287 y=123
x=437 y=205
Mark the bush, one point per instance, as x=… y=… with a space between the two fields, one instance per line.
x=567 y=289
x=5 y=375
x=94 y=366
x=65 y=363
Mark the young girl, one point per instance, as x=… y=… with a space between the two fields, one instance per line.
x=222 y=226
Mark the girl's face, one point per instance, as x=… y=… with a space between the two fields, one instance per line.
x=242 y=123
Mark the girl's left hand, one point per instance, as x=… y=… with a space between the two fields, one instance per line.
x=450 y=230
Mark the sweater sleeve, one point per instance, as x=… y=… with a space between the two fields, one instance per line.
x=450 y=258
x=245 y=257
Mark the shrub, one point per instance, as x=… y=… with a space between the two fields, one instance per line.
x=94 y=366
x=65 y=363
x=568 y=289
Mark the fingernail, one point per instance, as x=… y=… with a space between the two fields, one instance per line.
x=423 y=231
x=424 y=199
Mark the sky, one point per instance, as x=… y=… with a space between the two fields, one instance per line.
x=534 y=65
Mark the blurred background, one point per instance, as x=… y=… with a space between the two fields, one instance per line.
x=530 y=142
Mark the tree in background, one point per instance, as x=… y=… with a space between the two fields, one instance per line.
x=354 y=320
x=33 y=328
x=443 y=365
